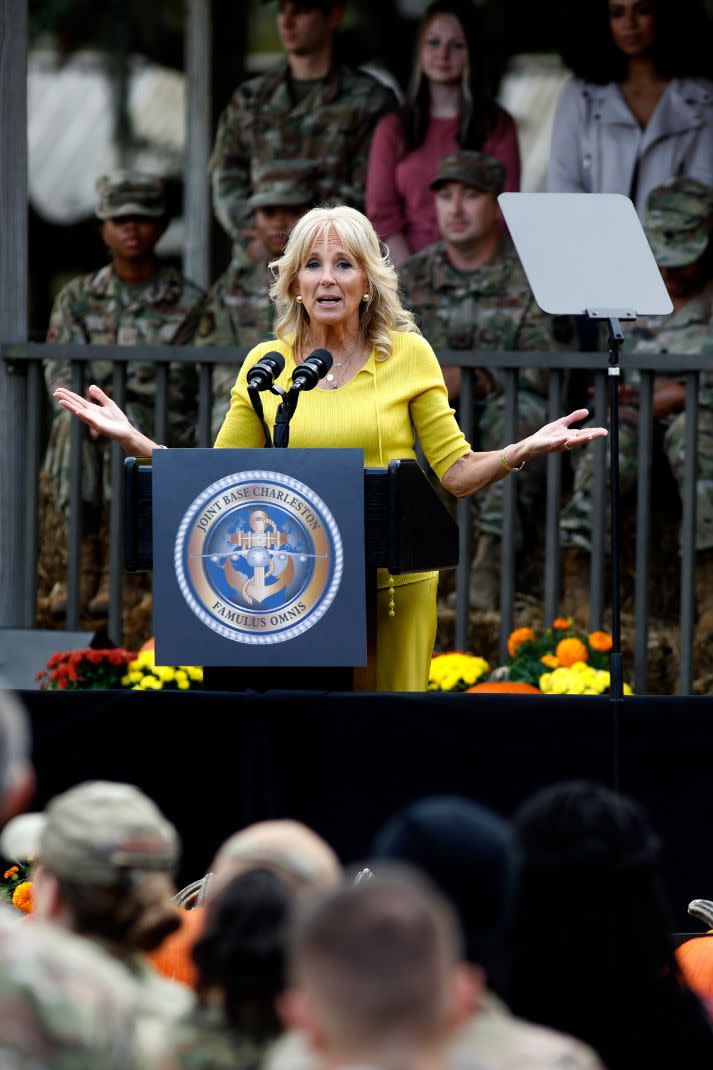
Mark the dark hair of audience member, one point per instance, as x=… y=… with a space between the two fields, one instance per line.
x=683 y=45
x=481 y=113
x=242 y=949
x=592 y=948
x=132 y=915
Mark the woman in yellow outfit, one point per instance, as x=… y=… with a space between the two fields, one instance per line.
x=336 y=289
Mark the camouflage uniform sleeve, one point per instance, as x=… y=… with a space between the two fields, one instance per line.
x=65 y=326
x=230 y=171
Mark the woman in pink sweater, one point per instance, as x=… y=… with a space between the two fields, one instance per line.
x=447 y=108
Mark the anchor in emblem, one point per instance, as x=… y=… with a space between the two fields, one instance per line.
x=264 y=548
x=259 y=546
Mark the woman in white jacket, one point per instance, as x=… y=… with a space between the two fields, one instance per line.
x=639 y=108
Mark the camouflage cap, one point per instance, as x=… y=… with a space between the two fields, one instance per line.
x=285 y=182
x=125 y=193
x=678 y=220
x=98 y=829
x=475 y=169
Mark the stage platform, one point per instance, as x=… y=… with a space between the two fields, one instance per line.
x=215 y=761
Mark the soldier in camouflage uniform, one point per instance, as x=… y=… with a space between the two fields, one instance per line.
x=311 y=107
x=679 y=222
x=469 y=291
x=238 y=310
x=135 y=300
x=64 y=1005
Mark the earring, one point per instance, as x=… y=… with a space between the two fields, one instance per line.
x=366 y=297
x=299 y=299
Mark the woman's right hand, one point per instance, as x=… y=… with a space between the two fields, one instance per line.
x=104 y=417
x=98 y=411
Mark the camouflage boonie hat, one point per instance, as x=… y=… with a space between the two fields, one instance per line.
x=125 y=193
x=285 y=183
x=475 y=169
x=678 y=220
x=99 y=829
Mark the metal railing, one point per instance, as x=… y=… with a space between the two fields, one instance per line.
x=26 y=359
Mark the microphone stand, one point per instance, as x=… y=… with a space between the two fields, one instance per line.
x=285 y=412
x=256 y=402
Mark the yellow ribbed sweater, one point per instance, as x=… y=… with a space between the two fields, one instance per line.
x=379 y=410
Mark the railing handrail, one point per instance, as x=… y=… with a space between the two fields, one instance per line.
x=22 y=352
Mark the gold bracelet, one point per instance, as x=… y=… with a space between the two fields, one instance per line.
x=509 y=467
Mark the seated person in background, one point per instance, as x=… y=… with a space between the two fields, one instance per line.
x=311 y=107
x=678 y=223
x=106 y=856
x=238 y=310
x=240 y=961
x=469 y=291
x=376 y=977
x=639 y=107
x=448 y=107
x=135 y=300
x=592 y=945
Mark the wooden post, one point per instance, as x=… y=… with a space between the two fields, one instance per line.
x=196 y=196
x=14 y=608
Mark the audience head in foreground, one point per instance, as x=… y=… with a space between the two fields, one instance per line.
x=107 y=856
x=375 y=973
x=292 y=851
x=593 y=952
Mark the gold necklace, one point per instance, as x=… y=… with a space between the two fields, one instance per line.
x=337 y=364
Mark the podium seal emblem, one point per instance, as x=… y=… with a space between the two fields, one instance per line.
x=258 y=557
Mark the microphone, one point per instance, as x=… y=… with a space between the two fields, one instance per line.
x=263 y=374
x=307 y=374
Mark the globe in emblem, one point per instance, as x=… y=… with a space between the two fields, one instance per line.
x=258 y=557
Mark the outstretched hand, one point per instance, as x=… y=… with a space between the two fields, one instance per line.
x=97 y=410
x=560 y=435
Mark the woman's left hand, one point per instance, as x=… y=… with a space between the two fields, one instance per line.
x=560 y=435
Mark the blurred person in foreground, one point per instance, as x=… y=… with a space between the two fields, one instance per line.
x=106 y=856
x=592 y=945
x=375 y=975
x=291 y=851
x=240 y=974
x=64 y=1005
x=470 y=853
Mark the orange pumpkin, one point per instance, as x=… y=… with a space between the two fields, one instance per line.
x=173 y=957
x=695 y=957
x=514 y=687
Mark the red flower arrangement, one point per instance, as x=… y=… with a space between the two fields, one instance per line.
x=85 y=669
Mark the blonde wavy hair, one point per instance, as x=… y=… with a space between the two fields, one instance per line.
x=378 y=317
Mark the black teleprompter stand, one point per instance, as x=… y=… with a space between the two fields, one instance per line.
x=587 y=254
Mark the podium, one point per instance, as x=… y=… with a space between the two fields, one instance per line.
x=394 y=520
